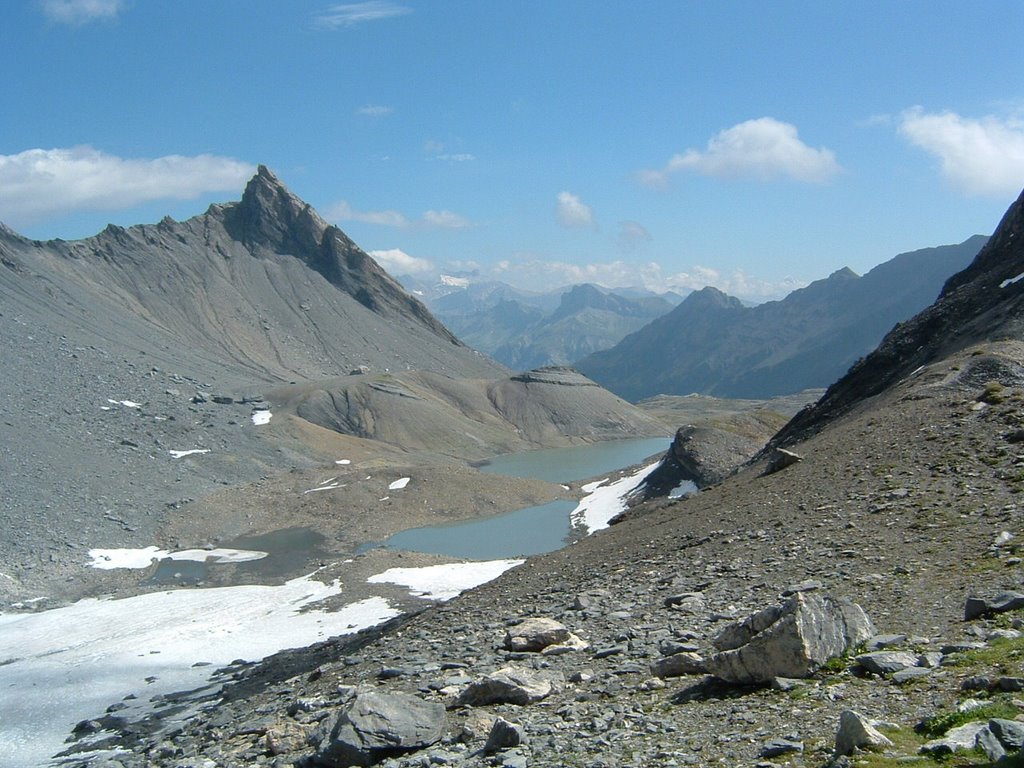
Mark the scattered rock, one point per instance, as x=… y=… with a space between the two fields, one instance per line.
x=509 y=685
x=856 y=732
x=960 y=738
x=788 y=640
x=373 y=726
x=977 y=607
x=887 y=662
x=777 y=747
x=782 y=458
x=679 y=664
x=504 y=735
x=535 y=634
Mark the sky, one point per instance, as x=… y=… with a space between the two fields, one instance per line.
x=667 y=144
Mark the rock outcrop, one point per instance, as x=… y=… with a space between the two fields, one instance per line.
x=792 y=639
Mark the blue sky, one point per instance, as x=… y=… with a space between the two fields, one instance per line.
x=752 y=146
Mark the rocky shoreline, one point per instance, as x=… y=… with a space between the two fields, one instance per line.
x=918 y=516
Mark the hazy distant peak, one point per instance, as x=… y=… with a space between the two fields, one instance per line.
x=844 y=273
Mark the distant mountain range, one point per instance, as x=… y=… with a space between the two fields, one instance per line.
x=712 y=344
x=525 y=330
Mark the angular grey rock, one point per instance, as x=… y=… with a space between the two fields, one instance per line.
x=504 y=735
x=855 y=732
x=910 y=673
x=781 y=458
x=956 y=739
x=1009 y=732
x=788 y=640
x=509 y=685
x=976 y=607
x=535 y=634
x=881 y=642
x=373 y=726
x=887 y=662
x=990 y=744
x=679 y=664
x=777 y=747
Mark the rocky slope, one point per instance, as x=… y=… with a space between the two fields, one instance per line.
x=906 y=502
x=711 y=343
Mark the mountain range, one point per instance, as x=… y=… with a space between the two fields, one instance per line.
x=713 y=344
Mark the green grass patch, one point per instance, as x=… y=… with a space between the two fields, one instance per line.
x=941 y=722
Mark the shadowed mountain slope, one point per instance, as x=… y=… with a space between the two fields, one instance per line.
x=711 y=343
x=984 y=302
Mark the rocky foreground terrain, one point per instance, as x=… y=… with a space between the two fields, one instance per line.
x=906 y=503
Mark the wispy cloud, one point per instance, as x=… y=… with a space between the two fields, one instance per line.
x=41 y=183
x=762 y=149
x=398 y=262
x=632 y=234
x=351 y=14
x=78 y=12
x=573 y=212
x=444 y=219
x=983 y=156
x=375 y=110
x=435 y=149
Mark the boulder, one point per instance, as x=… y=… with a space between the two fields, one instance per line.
x=679 y=664
x=1009 y=732
x=887 y=662
x=509 y=685
x=976 y=607
x=373 y=726
x=957 y=739
x=535 y=634
x=855 y=732
x=791 y=639
x=504 y=735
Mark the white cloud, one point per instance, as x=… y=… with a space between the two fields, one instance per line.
x=351 y=14
x=632 y=234
x=459 y=157
x=343 y=211
x=39 y=183
x=375 y=110
x=398 y=262
x=763 y=149
x=529 y=272
x=979 y=156
x=78 y=12
x=573 y=212
x=445 y=220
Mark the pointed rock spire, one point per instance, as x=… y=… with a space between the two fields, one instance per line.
x=271 y=216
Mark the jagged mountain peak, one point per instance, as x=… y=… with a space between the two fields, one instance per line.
x=271 y=216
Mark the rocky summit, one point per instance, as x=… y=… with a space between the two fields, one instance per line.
x=858 y=606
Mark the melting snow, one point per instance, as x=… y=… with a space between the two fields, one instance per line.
x=326 y=485
x=125 y=403
x=69 y=664
x=343 y=462
x=261 y=417
x=1012 y=280
x=604 y=502
x=399 y=484
x=182 y=454
x=443 y=582
x=108 y=559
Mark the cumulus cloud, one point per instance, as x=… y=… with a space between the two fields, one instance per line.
x=351 y=14
x=573 y=212
x=763 y=149
x=398 y=262
x=77 y=12
x=528 y=271
x=982 y=157
x=40 y=183
x=375 y=110
x=343 y=211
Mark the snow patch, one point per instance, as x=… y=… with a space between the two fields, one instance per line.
x=443 y=582
x=1012 y=280
x=326 y=485
x=343 y=462
x=604 y=502
x=399 y=484
x=455 y=282
x=261 y=417
x=182 y=454
x=109 y=559
x=125 y=403
x=69 y=664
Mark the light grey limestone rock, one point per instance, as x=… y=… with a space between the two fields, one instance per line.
x=856 y=732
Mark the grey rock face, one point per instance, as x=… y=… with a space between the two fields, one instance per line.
x=1009 y=732
x=788 y=640
x=504 y=735
x=964 y=737
x=373 y=726
x=509 y=685
x=855 y=732
x=535 y=634
x=679 y=664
